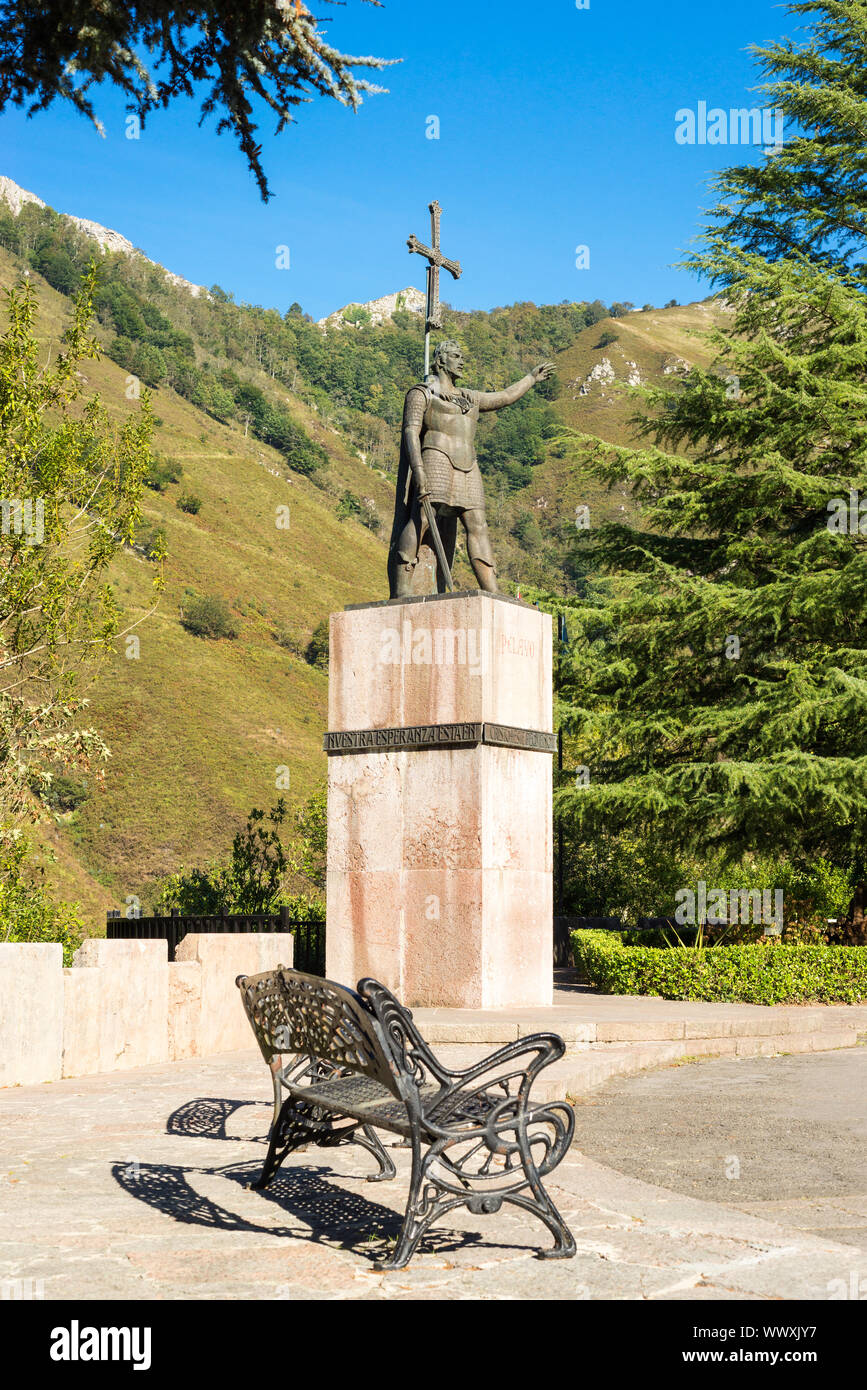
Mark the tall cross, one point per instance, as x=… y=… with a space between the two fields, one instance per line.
x=437 y=262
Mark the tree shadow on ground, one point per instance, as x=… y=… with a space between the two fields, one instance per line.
x=323 y=1212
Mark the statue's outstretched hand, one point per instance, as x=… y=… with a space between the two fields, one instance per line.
x=542 y=372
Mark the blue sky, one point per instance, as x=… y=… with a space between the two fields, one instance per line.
x=557 y=129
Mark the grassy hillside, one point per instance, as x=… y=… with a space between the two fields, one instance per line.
x=198 y=728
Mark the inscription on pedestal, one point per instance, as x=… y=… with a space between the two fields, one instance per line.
x=425 y=736
x=507 y=737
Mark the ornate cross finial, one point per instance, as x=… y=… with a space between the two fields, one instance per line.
x=437 y=262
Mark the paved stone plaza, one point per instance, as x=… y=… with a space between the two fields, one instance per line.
x=133 y=1186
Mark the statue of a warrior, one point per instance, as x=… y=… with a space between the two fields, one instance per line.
x=438 y=462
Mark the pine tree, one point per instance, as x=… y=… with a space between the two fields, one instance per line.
x=719 y=693
x=810 y=197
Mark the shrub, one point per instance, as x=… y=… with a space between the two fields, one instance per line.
x=208 y=616
x=362 y=509
x=27 y=913
x=188 y=502
x=525 y=529
x=151 y=541
x=285 y=637
x=607 y=339
x=162 y=471
x=317 y=648
x=63 y=793
x=769 y=972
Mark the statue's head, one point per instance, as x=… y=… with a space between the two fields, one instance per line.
x=450 y=357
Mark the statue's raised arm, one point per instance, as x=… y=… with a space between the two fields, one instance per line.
x=496 y=400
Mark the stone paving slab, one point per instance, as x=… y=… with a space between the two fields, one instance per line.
x=134 y=1186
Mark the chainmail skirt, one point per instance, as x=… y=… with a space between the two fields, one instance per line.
x=449 y=486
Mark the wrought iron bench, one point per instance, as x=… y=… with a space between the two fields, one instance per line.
x=355 y=1063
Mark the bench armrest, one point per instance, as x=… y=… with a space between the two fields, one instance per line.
x=488 y=1110
x=494 y=1074
x=549 y=1047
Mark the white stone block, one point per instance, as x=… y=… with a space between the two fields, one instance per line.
x=31 y=1012
x=131 y=1002
x=222 y=957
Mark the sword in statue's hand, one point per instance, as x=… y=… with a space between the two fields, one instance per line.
x=431 y=520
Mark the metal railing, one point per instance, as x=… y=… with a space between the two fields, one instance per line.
x=308 y=933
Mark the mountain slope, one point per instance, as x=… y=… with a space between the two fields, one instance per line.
x=198 y=728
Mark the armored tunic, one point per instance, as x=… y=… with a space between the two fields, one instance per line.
x=448 y=450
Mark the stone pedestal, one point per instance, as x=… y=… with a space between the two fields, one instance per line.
x=439 y=800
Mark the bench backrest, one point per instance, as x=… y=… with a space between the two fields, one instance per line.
x=293 y=1013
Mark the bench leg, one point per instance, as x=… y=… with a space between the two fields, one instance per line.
x=429 y=1199
x=369 y=1139
x=272 y=1161
x=546 y=1211
x=414 y=1223
x=291 y=1130
x=540 y=1203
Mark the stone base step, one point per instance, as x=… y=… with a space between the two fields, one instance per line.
x=585 y=1068
x=640 y=1020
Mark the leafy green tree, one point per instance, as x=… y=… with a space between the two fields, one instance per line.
x=272 y=51
x=70 y=487
x=257 y=876
x=719 y=695
x=809 y=197
x=259 y=862
x=308 y=848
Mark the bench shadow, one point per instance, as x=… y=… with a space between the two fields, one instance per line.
x=207 y=1117
x=318 y=1210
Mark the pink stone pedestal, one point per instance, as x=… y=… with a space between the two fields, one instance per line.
x=439 y=801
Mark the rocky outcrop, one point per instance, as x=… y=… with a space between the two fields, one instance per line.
x=377 y=311
x=15 y=197
x=603 y=375
x=109 y=241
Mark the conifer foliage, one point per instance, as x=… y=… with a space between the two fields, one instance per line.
x=718 y=690
x=272 y=52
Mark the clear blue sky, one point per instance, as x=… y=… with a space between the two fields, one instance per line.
x=557 y=129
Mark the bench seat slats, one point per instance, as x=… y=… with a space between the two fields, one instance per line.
x=360 y=1099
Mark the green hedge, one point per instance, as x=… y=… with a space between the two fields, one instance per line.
x=769 y=973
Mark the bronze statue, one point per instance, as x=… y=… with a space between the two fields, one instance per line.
x=439 y=481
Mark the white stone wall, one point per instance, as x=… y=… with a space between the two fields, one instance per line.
x=122 y=1004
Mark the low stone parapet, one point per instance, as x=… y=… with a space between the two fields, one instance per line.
x=122 y=1004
